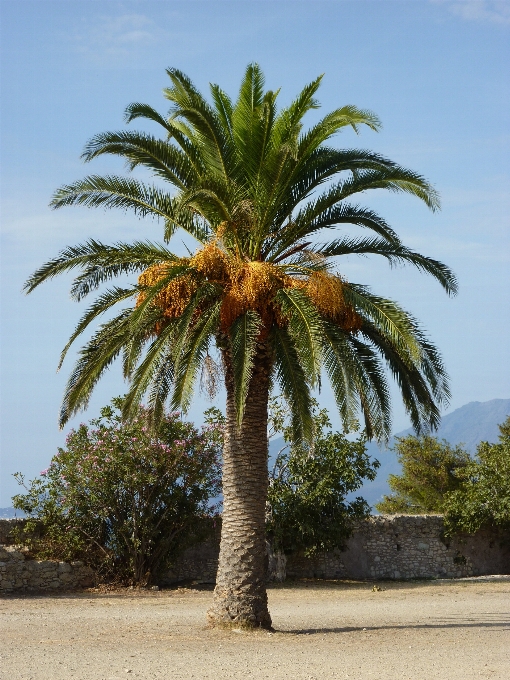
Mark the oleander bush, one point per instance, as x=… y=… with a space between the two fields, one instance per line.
x=123 y=500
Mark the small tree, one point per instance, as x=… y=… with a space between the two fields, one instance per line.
x=307 y=510
x=123 y=500
x=484 y=496
x=430 y=470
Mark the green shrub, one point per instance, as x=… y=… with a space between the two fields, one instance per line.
x=308 y=511
x=430 y=470
x=122 y=500
x=483 y=498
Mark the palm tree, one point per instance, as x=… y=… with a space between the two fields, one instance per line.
x=255 y=190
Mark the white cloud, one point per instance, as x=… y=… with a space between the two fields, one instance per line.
x=493 y=11
x=112 y=37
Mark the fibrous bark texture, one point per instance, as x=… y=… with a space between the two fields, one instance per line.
x=240 y=595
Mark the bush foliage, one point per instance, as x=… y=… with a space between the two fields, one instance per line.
x=483 y=498
x=124 y=501
x=430 y=470
x=307 y=507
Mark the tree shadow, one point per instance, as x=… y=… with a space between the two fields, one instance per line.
x=443 y=623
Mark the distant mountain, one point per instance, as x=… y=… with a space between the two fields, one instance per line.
x=468 y=425
x=473 y=423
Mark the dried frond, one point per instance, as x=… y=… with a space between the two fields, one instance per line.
x=211 y=377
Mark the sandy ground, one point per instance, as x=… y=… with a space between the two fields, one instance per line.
x=417 y=631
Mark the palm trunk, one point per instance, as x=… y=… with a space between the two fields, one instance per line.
x=240 y=596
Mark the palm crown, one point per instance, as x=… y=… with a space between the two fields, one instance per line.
x=246 y=181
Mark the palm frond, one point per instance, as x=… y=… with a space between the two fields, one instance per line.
x=143 y=376
x=160 y=388
x=192 y=107
x=164 y=159
x=332 y=123
x=419 y=401
x=139 y=110
x=390 y=319
x=294 y=384
x=319 y=215
x=395 y=254
x=224 y=108
x=243 y=340
x=192 y=353
x=357 y=376
x=252 y=121
x=305 y=329
x=395 y=180
x=94 y=359
x=128 y=194
x=99 y=263
x=104 y=302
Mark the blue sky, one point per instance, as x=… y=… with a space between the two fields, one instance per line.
x=435 y=71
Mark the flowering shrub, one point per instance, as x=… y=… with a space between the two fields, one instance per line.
x=124 y=501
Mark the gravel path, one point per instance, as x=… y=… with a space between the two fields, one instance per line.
x=416 y=631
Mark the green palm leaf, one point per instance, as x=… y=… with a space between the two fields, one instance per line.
x=192 y=354
x=243 y=340
x=294 y=384
x=357 y=378
x=103 y=303
x=100 y=263
x=165 y=160
x=144 y=375
x=94 y=359
x=305 y=328
x=396 y=254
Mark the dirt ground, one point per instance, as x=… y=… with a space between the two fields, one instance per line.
x=416 y=631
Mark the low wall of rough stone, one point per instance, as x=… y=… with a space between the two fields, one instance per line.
x=198 y=563
x=6 y=528
x=17 y=574
x=406 y=547
x=382 y=547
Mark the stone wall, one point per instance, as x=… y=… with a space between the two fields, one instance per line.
x=199 y=563
x=6 y=527
x=382 y=547
x=18 y=574
x=405 y=547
